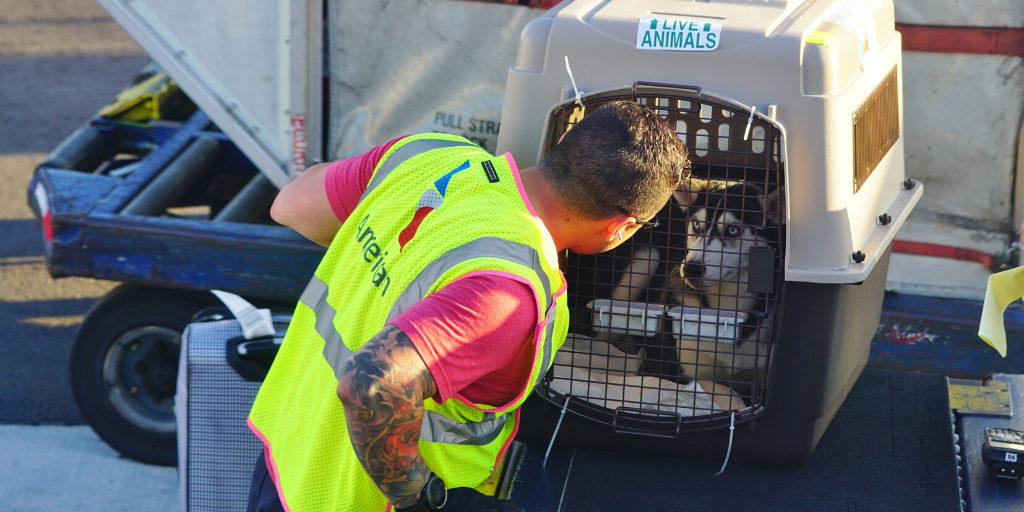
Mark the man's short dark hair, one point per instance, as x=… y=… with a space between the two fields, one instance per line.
x=621 y=156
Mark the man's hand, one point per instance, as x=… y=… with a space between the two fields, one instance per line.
x=382 y=389
x=465 y=499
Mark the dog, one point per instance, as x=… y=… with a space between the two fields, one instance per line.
x=724 y=221
x=697 y=257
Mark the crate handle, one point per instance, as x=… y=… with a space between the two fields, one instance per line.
x=691 y=88
x=640 y=413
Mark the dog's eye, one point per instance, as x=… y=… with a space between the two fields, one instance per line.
x=698 y=225
x=732 y=231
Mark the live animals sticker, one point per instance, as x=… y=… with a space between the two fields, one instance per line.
x=677 y=33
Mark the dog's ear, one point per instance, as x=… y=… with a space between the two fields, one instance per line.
x=687 y=193
x=775 y=206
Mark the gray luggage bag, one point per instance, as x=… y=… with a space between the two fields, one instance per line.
x=219 y=373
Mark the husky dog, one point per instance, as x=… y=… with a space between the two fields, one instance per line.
x=698 y=257
x=724 y=221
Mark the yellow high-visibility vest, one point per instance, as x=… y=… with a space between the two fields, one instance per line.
x=437 y=208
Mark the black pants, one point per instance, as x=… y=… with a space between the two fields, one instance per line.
x=263 y=493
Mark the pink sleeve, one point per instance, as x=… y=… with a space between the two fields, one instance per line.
x=346 y=179
x=472 y=331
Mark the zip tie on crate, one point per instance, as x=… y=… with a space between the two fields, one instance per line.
x=581 y=110
x=554 y=434
x=573 y=81
x=728 y=452
x=750 y=120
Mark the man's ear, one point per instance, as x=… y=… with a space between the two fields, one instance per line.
x=616 y=225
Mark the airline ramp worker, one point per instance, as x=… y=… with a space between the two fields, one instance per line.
x=437 y=307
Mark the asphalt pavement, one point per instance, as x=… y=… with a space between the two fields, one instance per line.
x=60 y=61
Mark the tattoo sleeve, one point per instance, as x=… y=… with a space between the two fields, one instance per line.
x=382 y=389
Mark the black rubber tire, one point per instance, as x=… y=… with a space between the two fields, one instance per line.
x=124 y=365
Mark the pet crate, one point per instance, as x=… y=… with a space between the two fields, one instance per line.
x=754 y=300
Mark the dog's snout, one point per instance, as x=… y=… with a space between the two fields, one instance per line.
x=693 y=270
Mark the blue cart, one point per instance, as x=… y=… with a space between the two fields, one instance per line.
x=150 y=193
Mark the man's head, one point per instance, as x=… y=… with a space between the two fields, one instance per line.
x=621 y=161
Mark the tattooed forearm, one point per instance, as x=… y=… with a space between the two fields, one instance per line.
x=382 y=389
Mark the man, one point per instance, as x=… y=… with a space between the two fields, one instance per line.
x=437 y=307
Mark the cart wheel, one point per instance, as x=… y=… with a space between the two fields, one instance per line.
x=124 y=366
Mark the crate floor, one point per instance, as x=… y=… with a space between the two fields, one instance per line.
x=889 y=448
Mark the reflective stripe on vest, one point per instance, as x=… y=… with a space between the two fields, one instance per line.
x=549 y=336
x=439 y=428
x=406 y=152
x=335 y=351
x=436 y=427
x=487 y=247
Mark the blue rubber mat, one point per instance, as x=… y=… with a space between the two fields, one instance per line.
x=888 y=449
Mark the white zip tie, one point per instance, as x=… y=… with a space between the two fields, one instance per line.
x=749 y=120
x=728 y=452
x=573 y=81
x=554 y=434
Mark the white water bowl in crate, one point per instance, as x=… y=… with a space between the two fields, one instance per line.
x=626 y=317
x=706 y=324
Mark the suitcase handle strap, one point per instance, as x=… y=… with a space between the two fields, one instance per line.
x=256 y=323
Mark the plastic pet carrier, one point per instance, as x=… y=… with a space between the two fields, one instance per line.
x=754 y=300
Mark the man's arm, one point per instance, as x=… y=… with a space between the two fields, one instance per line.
x=303 y=206
x=382 y=388
x=322 y=197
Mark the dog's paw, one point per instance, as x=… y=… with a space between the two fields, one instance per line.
x=723 y=396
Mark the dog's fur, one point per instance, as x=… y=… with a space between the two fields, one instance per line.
x=724 y=221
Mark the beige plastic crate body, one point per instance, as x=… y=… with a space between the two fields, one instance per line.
x=797 y=61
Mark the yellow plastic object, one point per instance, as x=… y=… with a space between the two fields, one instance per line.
x=142 y=101
x=822 y=38
x=1003 y=288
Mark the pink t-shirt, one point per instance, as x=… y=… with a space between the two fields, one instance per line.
x=476 y=334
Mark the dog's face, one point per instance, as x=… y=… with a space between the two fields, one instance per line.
x=723 y=224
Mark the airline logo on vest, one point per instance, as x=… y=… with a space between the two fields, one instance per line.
x=429 y=201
